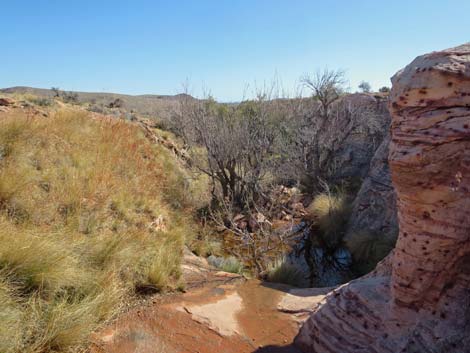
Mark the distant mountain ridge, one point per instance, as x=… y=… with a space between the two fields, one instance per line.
x=146 y=104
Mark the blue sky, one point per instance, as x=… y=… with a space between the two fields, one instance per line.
x=138 y=47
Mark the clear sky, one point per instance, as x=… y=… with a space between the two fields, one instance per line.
x=138 y=47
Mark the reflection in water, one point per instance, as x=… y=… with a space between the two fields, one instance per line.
x=320 y=268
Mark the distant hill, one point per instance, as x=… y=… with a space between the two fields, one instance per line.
x=147 y=105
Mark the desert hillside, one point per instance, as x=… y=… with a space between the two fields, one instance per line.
x=149 y=105
x=92 y=214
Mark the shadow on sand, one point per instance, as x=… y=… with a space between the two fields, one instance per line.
x=298 y=292
x=277 y=349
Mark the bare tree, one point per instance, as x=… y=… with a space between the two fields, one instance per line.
x=327 y=86
x=312 y=154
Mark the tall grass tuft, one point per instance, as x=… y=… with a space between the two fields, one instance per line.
x=227 y=264
x=283 y=271
x=11 y=316
x=330 y=213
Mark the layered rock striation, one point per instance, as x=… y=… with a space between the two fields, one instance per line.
x=421 y=303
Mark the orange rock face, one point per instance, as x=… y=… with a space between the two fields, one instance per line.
x=423 y=303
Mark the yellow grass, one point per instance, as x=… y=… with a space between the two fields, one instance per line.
x=283 y=271
x=90 y=211
x=330 y=213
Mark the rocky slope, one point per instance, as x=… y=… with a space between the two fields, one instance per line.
x=422 y=304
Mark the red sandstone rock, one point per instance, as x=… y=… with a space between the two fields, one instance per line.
x=423 y=303
x=5 y=101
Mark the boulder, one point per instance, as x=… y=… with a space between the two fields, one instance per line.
x=5 y=101
x=423 y=303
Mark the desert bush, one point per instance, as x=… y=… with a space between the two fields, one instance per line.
x=117 y=103
x=314 y=130
x=97 y=108
x=205 y=243
x=327 y=87
x=368 y=248
x=69 y=97
x=311 y=153
x=56 y=91
x=284 y=271
x=384 y=89
x=365 y=87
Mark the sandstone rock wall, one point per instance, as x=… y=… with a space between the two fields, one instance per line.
x=374 y=208
x=354 y=157
x=423 y=303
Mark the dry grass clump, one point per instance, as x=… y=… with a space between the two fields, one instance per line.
x=90 y=212
x=227 y=264
x=11 y=316
x=368 y=249
x=38 y=261
x=283 y=271
x=330 y=213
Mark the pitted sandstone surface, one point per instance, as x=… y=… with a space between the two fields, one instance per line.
x=423 y=303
